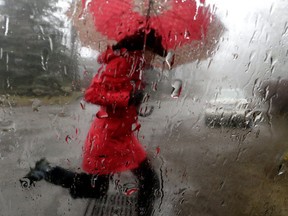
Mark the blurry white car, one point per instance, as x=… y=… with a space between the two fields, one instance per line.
x=231 y=108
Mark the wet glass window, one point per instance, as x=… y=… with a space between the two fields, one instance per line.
x=143 y=107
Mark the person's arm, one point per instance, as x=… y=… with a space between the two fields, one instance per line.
x=112 y=85
x=98 y=94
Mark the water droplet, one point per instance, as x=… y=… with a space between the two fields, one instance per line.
x=209 y=63
x=235 y=56
x=44 y=59
x=51 y=44
x=82 y=104
x=7 y=126
x=36 y=103
x=26 y=183
x=154 y=86
x=177 y=88
x=65 y=70
x=187 y=35
x=271 y=8
x=285 y=29
x=130 y=191
x=68 y=139
x=252 y=55
x=6 y=25
x=282 y=169
x=157 y=150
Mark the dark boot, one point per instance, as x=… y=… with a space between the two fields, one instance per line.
x=39 y=172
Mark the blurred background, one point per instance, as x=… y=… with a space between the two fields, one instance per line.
x=220 y=148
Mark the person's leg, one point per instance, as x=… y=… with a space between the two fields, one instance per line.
x=80 y=185
x=149 y=186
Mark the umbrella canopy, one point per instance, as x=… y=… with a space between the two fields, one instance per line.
x=177 y=22
x=186 y=26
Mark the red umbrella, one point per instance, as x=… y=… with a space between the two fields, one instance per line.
x=183 y=23
x=185 y=26
x=177 y=21
x=115 y=18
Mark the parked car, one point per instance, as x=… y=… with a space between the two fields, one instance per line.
x=230 y=107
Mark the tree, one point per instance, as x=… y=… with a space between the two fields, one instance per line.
x=34 y=58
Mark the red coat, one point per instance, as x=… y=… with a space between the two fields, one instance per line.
x=111 y=145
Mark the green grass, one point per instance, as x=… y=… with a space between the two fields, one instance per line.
x=16 y=100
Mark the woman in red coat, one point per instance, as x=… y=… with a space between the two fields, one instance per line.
x=111 y=145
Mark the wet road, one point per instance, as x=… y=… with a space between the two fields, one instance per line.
x=223 y=171
x=205 y=171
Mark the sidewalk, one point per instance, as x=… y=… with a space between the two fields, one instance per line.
x=54 y=132
x=203 y=172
